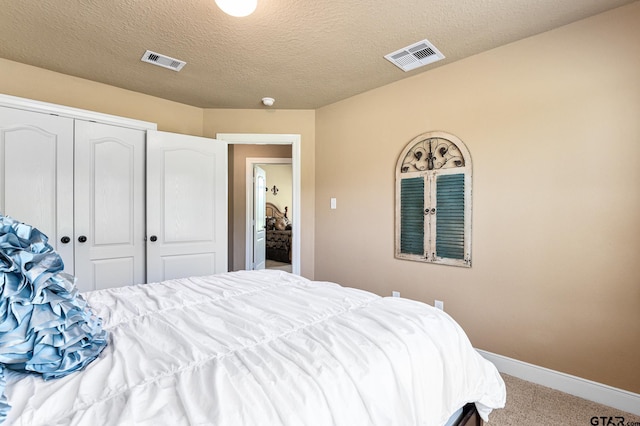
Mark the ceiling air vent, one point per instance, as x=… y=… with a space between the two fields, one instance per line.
x=162 y=61
x=417 y=55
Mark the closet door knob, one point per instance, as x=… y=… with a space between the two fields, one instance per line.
x=82 y=239
x=153 y=238
x=65 y=240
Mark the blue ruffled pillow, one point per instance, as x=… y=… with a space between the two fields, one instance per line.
x=46 y=327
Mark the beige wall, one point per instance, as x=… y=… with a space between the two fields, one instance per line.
x=300 y=122
x=280 y=176
x=238 y=155
x=36 y=83
x=552 y=123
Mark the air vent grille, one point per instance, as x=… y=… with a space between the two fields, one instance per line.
x=417 y=55
x=162 y=61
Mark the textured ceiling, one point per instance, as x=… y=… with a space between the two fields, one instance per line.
x=305 y=54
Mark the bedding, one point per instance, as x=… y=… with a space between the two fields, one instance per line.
x=263 y=348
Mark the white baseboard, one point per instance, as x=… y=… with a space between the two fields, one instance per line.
x=587 y=389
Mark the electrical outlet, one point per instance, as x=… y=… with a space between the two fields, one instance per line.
x=439 y=304
x=395 y=293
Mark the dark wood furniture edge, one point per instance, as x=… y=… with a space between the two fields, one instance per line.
x=470 y=416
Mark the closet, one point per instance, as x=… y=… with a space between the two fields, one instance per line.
x=82 y=184
x=80 y=178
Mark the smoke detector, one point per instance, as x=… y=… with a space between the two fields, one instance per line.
x=162 y=61
x=268 y=101
x=417 y=55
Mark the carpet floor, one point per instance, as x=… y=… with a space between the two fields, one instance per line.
x=532 y=404
x=272 y=264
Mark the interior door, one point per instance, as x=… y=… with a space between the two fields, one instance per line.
x=259 y=217
x=109 y=206
x=36 y=175
x=186 y=206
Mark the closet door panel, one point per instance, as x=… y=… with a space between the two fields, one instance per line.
x=36 y=174
x=109 y=206
x=186 y=206
x=106 y=272
x=113 y=184
x=188 y=199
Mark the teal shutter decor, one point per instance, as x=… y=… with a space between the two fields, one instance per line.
x=412 y=216
x=434 y=175
x=450 y=216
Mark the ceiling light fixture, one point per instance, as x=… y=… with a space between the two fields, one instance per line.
x=237 y=8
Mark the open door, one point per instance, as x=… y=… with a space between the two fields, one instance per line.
x=259 y=219
x=186 y=206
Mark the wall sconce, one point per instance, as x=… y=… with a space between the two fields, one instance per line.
x=274 y=190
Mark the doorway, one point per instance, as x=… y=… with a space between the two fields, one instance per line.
x=293 y=140
x=273 y=233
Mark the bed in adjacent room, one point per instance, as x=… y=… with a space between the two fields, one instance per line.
x=279 y=238
x=241 y=348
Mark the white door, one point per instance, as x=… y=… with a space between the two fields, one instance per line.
x=109 y=206
x=36 y=175
x=259 y=217
x=186 y=206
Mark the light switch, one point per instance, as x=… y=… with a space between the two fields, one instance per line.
x=333 y=203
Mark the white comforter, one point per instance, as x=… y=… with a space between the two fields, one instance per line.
x=263 y=348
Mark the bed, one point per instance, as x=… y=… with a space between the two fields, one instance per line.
x=279 y=239
x=241 y=348
x=263 y=348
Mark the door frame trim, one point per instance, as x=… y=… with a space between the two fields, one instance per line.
x=278 y=139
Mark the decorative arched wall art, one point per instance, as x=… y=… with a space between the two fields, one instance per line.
x=433 y=200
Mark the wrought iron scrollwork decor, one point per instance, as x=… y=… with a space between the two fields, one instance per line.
x=433 y=200
x=432 y=154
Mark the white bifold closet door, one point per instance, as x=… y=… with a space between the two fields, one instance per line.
x=109 y=206
x=36 y=175
x=186 y=206
x=83 y=184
